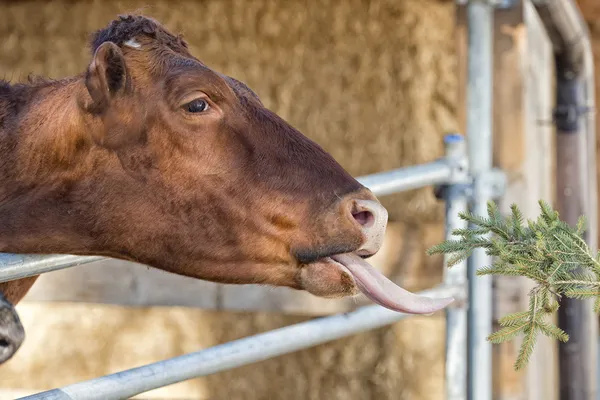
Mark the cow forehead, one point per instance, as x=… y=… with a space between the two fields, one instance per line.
x=127 y=27
x=125 y=30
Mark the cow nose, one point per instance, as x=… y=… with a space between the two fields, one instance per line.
x=372 y=219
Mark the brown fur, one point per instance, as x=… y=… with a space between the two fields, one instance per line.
x=112 y=162
x=14 y=291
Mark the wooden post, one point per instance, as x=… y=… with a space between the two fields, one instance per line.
x=590 y=9
x=576 y=187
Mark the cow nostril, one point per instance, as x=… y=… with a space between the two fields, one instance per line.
x=364 y=218
x=372 y=218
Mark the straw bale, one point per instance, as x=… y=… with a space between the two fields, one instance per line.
x=82 y=341
x=373 y=82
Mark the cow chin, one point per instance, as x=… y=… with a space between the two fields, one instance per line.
x=328 y=279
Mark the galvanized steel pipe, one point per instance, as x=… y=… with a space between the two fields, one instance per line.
x=403 y=179
x=456 y=200
x=480 y=19
x=234 y=354
x=17 y=266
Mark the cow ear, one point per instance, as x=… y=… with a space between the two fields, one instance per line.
x=106 y=75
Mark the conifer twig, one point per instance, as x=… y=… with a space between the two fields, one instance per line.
x=546 y=250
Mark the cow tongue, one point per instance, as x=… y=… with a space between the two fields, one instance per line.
x=386 y=293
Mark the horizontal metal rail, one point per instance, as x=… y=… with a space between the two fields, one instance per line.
x=237 y=353
x=404 y=179
x=17 y=266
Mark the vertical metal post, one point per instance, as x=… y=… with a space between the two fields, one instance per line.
x=456 y=315
x=480 y=14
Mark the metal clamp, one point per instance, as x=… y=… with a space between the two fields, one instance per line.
x=566 y=116
x=492 y=183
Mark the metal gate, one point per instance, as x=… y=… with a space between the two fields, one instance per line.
x=465 y=180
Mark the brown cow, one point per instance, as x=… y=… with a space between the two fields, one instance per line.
x=151 y=156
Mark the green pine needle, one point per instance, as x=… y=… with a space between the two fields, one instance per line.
x=554 y=331
x=527 y=346
x=508 y=332
x=514 y=318
x=546 y=250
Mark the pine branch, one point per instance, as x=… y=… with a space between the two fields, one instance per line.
x=545 y=250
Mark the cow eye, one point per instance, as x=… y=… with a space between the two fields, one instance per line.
x=197 y=106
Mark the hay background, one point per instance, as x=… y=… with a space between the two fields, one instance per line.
x=374 y=82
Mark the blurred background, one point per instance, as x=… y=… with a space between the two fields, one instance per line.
x=377 y=83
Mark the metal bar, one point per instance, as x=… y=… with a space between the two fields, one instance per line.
x=480 y=16
x=576 y=181
x=17 y=266
x=456 y=314
x=234 y=354
x=403 y=179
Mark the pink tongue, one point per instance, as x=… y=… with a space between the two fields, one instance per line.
x=386 y=293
